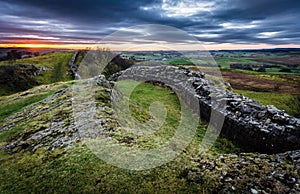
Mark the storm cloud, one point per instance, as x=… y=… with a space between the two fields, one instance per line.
x=85 y=22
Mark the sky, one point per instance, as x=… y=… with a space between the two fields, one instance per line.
x=215 y=24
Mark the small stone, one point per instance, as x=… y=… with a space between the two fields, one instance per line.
x=254 y=191
x=245 y=109
x=228 y=179
x=238 y=113
x=245 y=163
x=261 y=114
x=233 y=155
x=276 y=117
x=224 y=173
x=272 y=109
x=264 y=130
x=268 y=121
x=254 y=122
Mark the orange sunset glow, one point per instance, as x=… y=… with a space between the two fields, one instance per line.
x=24 y=25
x=45 y=45
x=226 y=46
x=154 y=96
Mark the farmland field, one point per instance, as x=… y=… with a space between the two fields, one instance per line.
x=256 y=74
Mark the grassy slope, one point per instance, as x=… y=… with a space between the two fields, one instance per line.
x=16 y=102
x=55 y=62
x=50 y=60
x=7 y=109
x=78 y=170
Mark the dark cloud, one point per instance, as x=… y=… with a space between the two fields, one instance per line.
x=88 y=11
x=219 y=21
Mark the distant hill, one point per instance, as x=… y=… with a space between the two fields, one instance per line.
x=22 y=74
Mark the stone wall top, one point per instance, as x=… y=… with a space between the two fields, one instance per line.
x=247 y=123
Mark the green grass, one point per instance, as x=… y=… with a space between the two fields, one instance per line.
x=78 y=59
x=225 y=62
x=57 y=70
x=180 y=61
x=51 y=61
x=140 y=100
x=16 y=102
x=288 y=102
x=191 y=60
x=10 y=133
x=145 y=94
x=78 y=170
x=7 y=109
x=46 y=60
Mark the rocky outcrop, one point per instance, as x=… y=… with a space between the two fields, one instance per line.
x=252 y=126
x=50 y=123
x=248 y=173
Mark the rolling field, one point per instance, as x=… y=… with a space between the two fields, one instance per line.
x=260 y=63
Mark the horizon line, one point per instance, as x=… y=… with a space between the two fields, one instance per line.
x=218 y=47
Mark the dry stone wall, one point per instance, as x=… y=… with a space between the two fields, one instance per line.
x=252 y=126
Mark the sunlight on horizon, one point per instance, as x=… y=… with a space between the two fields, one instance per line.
x=167 y=46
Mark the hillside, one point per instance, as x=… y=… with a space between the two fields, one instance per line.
x=42 y=151
x=43 y=148
x=23 y=74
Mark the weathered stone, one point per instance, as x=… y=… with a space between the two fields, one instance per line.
x=261 y=114
x=254 y=191
x=272 y=109
x=245 y=115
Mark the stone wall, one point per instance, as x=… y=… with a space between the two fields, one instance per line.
x=252 y=126
x=73 y=67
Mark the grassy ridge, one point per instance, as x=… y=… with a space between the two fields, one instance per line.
x=78 y=170
x=56 y=62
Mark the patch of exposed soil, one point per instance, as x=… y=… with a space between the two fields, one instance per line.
x=282 y=60
x=254 y=82
x=238 y=80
